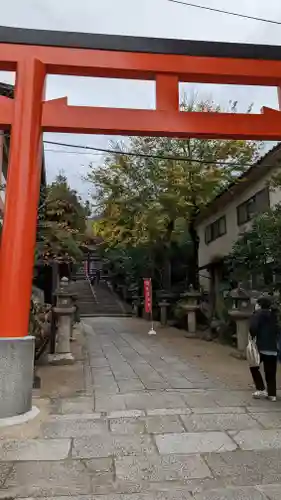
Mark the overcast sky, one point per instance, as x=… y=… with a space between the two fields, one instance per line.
x=155 y=18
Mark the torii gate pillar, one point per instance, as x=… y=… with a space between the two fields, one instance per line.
x=18 y=241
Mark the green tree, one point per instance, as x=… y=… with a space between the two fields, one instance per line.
x=257 y=253
x=155 y=201
x=61 y=223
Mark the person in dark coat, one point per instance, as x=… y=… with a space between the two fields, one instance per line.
x=264 y=329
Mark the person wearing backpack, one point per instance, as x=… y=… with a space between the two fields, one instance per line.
x=264 y=329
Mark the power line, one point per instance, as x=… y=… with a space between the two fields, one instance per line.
x=221 y=11
x=61 y=151
x=147 y=155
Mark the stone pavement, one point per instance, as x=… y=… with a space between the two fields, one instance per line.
x=146 y=424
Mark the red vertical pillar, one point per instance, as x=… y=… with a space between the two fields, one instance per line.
x=22 y=195
x=2 y=206
x=167 y=93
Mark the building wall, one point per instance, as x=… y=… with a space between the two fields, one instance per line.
x=222 y=246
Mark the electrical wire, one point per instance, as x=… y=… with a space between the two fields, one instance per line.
x=61 y=151
x=152 y=156
x=229 y=13
x=144 y=155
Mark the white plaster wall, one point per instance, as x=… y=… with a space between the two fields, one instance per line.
x=223 y=245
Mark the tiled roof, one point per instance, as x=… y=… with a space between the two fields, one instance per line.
x=6 y=89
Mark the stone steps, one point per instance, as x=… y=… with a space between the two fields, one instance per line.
x=99 y=301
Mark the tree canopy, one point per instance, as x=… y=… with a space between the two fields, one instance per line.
x=143 y=198
x=61 y=223
x=256 y=255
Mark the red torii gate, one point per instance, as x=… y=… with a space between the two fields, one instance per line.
x=34 y=54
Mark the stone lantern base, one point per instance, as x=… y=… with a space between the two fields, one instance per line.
x=190 y=311
x=16 y=375
x=164 y=304
x=242 y=330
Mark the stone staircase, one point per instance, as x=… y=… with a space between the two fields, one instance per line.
x=99 y=300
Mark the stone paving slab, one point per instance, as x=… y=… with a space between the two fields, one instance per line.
x=273 y=492
x=5 y=469
x=114 y=403
x=245 y=468
x=75 y=427
x=164 y=424
x=258 y=439
x=125 y=374
x=222 y=410
x=127 y=425
x=76 y=405
x=98 y=362
x=112 y=444
x=49 y=479
x=161 y=495
x=75 y=416
x=219 y=422
x=231 y=398
x=181 y=383
x=34 y=449
x=126 y=414
x=197 y=442
x=200 y=400
x=247 y=493
x=102 y=473
x=157 y=386
x=157 y=400
x=101 y=370
x=168 y=411
x=265 y=405
x=264 y=409
x=270 y=420
x=130 y=385
x=156 y=468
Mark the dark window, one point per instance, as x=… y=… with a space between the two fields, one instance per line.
x=215 y=230
x=255 y=205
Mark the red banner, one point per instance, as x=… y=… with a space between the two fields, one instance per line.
x=147 y=295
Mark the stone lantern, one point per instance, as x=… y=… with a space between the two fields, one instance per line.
x=136 y=302
x=64 y=311
x=164 y=305
x=76 y=315
x=190 y=306
x=241 y=312
x=164 y=299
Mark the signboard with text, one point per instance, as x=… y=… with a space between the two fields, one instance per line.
x=147 y=295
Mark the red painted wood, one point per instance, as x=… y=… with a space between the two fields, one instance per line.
x=22 y=194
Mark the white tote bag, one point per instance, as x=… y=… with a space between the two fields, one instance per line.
x=252 y=353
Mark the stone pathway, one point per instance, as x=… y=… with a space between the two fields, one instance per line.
x=149 y=425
